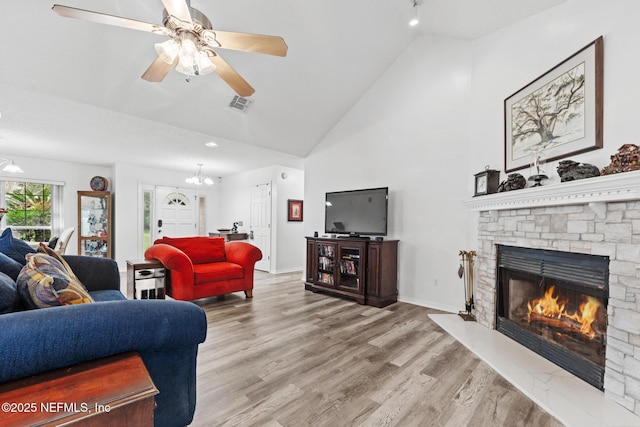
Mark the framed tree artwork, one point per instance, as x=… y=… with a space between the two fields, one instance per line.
x=559 y=114
x=295 y=210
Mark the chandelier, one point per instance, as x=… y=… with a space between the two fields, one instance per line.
x=193 y=60
x=199 y=178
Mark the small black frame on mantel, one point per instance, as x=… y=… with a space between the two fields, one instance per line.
x=486 y=182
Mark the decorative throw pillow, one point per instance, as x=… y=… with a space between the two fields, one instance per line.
x=14 y=248
x=199 y=249
x=47 y=250
x=9 y=266
x=45 y=282
x=9 y=301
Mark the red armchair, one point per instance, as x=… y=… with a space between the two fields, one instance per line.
x=200 y=267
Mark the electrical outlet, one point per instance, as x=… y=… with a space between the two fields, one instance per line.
x=239 y=223
x=435 y=283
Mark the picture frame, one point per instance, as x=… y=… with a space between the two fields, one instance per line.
x=295 y=210
x=559 y=114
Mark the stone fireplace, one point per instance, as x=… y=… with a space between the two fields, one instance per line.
x=596 y=217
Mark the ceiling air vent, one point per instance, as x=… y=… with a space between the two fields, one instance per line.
x=240 y=103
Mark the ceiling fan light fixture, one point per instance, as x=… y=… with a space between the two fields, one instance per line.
x=168 y=51
x=205 y=65
x=187 y=66
x=188 y=45
x=196 y=65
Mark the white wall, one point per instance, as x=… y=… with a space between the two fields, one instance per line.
x=408 y=133
x=75 y=177
x=235 y=205
x=288 y=233
x=127 y=216
x=509 y=59
x=229 y=200
x=423 y=130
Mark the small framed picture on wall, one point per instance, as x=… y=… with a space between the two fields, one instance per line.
x=295 y=210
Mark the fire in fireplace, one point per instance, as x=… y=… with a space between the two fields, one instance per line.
x=555 y=303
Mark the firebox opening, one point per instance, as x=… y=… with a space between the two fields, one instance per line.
x=555 y=303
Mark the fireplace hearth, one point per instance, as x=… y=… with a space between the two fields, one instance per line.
x=555 y=303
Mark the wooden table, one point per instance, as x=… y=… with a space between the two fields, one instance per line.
x=115 y=390
x=230 y=236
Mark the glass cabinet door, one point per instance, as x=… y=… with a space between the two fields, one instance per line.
x=351 y=274
x=94 y=223
x=326 y=263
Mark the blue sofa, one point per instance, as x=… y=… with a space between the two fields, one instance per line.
x=165 y=333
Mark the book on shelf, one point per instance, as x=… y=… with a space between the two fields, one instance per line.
x=325 y=278
x=325 y=263
x=348 y=267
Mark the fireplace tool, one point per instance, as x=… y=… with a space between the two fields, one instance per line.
x=466 y=271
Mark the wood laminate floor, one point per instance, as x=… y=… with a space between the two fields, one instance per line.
x=290 y=357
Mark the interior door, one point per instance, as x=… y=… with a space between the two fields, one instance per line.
x=261 y=223
x=175 y=212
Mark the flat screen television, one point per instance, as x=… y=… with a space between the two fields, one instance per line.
x=357 y=212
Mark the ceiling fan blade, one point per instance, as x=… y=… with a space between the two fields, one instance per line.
x=269 y=45
x=178 y=8
x=158 y=70
x=231 y=76
x=103 y=18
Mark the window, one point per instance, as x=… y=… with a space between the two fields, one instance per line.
x=177 y=199
x=33 y=209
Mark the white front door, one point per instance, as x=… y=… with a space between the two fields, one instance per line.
x=175 y=212
x=261 y=223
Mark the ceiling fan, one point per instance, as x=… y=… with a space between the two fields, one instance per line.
x=192 y=43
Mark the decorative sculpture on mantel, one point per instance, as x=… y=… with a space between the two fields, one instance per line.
x=514 y=181
x=466 y=271
x=570 y=170
x=625 y=160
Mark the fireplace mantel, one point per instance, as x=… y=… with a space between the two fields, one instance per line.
x=595 y=192
x=595 y=216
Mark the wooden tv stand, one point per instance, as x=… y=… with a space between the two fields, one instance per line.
x=362 y=269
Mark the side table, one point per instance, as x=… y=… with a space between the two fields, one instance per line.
x=115 y=390
x=146 y=275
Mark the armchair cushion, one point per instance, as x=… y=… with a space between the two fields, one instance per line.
x=199 y=250
x=218 y=271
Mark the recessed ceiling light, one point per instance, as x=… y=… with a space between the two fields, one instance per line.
x=211 y=144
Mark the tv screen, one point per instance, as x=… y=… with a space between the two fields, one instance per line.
x=357 y=212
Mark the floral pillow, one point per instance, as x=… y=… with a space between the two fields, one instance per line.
x=46 y=282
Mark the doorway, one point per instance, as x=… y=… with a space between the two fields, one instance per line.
x=261 y=223
x=176 y=212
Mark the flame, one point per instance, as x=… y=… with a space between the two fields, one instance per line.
x=550 y=306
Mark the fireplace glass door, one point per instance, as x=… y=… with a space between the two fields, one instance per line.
x=555 y=303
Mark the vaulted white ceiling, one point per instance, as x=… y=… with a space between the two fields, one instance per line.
x=71 y=89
